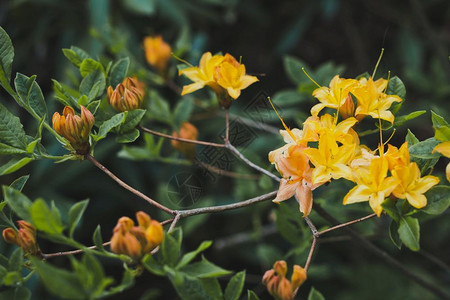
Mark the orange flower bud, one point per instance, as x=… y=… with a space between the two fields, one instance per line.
x=284 y=290
x=278 y=285
x=127 y=95
x=136 y=241
x=25 y=237
x=298 y=277
x=280 y=267
x=74 y=128
x=11 y=236
x=157 y=52
x=187 y=131
x=347 y=110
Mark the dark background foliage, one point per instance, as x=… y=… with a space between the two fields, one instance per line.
x=351 y=33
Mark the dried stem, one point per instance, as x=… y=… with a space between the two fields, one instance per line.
x=78 y=251
x=227 y=125
x=346 y=224
x=311 y=252
x=181 y=139
x=126 y=186
x=174 y=222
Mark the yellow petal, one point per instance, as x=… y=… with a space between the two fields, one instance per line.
x=425 y=183
x=359 y=193
x=417 y=200
x=192 y=88
x=443 y=148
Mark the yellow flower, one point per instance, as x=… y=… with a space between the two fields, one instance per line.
x=203 y=74
x=397 y=157
x=329 y=159
x=157 y=52
x=127 y=95
x=411 y=186
x=342 y=131
x=373 y=101
x=278 y=285
x=231 y=75
x=74 y=128
x=373 y=185
x=444 y=149
x=334 y=96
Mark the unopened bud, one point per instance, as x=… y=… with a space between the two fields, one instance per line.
x=157 y=52
x=11 y=236
x=347 y=110
x=128 y=95
x=187 y=131
x=298 y=277
x=280 y=267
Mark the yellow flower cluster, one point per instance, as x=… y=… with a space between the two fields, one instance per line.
x=222 y=73
x=339 y=153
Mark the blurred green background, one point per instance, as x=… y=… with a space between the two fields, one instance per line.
x=325 y=36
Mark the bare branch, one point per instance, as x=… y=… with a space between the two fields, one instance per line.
x=347 y=224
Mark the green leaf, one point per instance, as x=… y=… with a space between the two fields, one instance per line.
x=142 y=7
x=188 y=257
x=409 y=232
x=93 y=85
x=204 y=269
x=59 y=282
x=187 y=287
x=8 y=150
x=19 y=183
x=132 y=119
x=126 y=282
x=288 y=97
x=128 y=137
x=234 y=287
x=288 y=224
x=315 y=295
x=108 y=125
x=119 y=71
x=438 y=200
x=391 y=209
x=6 y=58
x=97 y=238
x=153 y=266
x=18 y=293
x=400 y=120
x=411 y=138
x=393 y=234
x=251 y=295
x=18 y=202
x=72 y=56
x=441 y=127
x=75 y=214
x=183 y=111
x=424 y=149
x=212 y=288
x=31 y=94
x=89 y=65
x=62 y=95
x=11 y=130
x=94 y=277
x=16 y=260
x=396 y=87
x=293 y=67
x=170 y=249
x=159 y=109
x=43 y=218
x=14 y=164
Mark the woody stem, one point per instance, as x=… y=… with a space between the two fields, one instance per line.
x=227 y=125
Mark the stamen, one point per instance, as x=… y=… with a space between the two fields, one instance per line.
x=310 y=78
x=389 y=77
x=378 y=62
x=240 y=59
x=393 y=132
x=381 y=145
x=282 y=121
x=182 y=60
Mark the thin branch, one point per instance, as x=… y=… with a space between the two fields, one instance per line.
x=220 y=208
x=384 y=255
x=126 y=186
x=311 y=226
x=181 y=139
x=174 y=222
x=346 y=224
x=227 y=125
x=64 y=253
x=249 y=163
x=310 y=255
x=227 y=173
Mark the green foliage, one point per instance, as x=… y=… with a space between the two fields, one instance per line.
x=315 y=295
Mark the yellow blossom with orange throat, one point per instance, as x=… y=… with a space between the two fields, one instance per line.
x=74 y=128
x=136 y=241
x=157 y=52
x=128 y=95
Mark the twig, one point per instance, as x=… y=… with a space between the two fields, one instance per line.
x=174 y=222
x=346 y=224
x=181 y=139
x=311 y=226
x=126 y=186
x=220 y=208
x=384 y=255
x=64 y=253
x=227 y=173
x=249 y=163
x=227 y=125
x=311 y=252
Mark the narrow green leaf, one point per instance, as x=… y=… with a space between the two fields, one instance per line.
x=72 y=56
x=153 y=266
x=188 y=257
x=43 y=218
x=18 y=202
x=251 y=295
x=393 y=234
x=411 y=138
x=441 y=127
x=89 y=65
x=14 y=164
x=409 y=232
x=97 y=238
x=234 y=287
x=31 y=94
x=19 y=183
x=32 y=145
x=170 y=250
x=424 y=149
x=8 y=150
x=438 y=200
x=126 y=282
x=108 y=125
x=62 y=95
x=212 y=288
x=11 y=130
x=119 y=71
x=315 y=295
x=204 y=269
x=187 y=287
x=400 y=120
x=16 y=260
x=59 y=282
x=75 y=214
x=6 y=58
x=396 y=87
x=93 y=85
x=128 y=137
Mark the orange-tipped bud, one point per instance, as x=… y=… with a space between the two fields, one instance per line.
x=187 y=131
x=136 y=241
x=284 y=290
x=280 y=267
x=278 y=285
x=74 y=128
x=25 y=237
x=298 y=277
x=157 y=52
x=347 y=110
x=128 y=95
